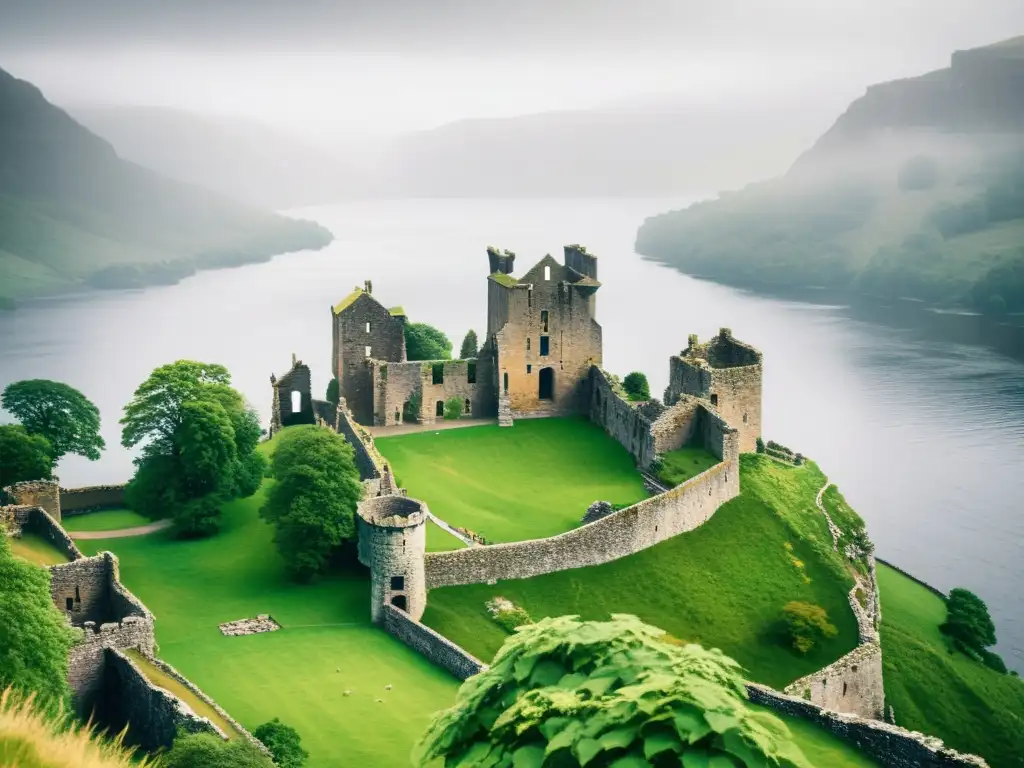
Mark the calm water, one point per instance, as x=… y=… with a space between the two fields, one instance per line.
x=917 y=416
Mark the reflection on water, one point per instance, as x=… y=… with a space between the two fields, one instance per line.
x=918 y=416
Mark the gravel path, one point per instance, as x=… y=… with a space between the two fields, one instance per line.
x=122 y=533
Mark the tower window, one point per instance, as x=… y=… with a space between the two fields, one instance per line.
x=544 y=345
x=471 y=372
x=437 y=373
x=397 y=583
x=547 y=272
x=527 y=343
x=296 y=401
x=544 y=320
x=368 y=351
x=505 y=382
x=714 y=400
x=529 y=369
x=529 y=298
x=367 y=326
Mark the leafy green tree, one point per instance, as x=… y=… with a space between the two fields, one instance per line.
x=284 y=743
x=58 y=412
x=453 y=408
x=23 y=456
x=807 y=624
x=636 y=386
x=204 y=750
x=333 y=391
x=34 y=637
x=425 y=342
x=312 y=505
x=470 y=346
x=199 y=451
x=760 y=445
x=566 y=692
x=968 y=621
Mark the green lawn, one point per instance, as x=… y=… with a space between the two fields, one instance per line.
x=679 y=466
x=533 y=480
x=942 y=692
x=820 y=747
x=292 y=674
x=36 y=550
x=722 y=585
x=105 y=520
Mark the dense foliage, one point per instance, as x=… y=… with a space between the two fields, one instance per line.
x=58 y=412
x=312 y=504
x=204 y=750
x=425 y=342
x=636 y=386
x=23 y=456
x=198 y=439
x=968 y=622
x=453 y=408
x=807 y=624
x=34 y=637
x=565 y=692
x=333 y=391
x=470 y=346
x=284 y=743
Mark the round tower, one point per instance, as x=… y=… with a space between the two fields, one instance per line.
x=392 y=544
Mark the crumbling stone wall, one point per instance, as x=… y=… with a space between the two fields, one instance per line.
x=891 y=746
x=392 y=540
x=77 y=501
x=727 y=373
x=21 y=519
x=437 y=648
x=297 y=379
x=629 y=530
x=87 y=658
x=620 y=418
x=363 y=329
x=366 y=463
x=573 y=337
x=852 y=684
x=395 y=384
x=37 y=493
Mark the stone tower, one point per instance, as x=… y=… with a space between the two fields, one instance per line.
x=37 y=493
x=727 y=373
x=542 y=333
x=393 y=544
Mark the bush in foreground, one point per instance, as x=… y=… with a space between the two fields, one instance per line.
x=807 y=624
x=30 y=740
x=565 y=692
x=204 y=750
x=284 y=743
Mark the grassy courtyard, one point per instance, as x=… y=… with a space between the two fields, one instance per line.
x=942 y=692
x=722 y=585
x=299 y=673
x=104 y=520
x=533 y=480
x=36 y=550
x=679 y=466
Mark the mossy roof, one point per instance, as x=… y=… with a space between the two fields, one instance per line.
x=397 y=311
x=506 y=280
x=348 y=301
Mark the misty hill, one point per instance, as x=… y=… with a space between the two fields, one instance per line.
x=916 y=191
x=638 y=150
x=73 y=214
x=241 y=159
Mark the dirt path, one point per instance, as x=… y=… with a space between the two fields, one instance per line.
x=122 y=533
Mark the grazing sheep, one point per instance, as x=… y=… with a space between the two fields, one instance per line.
x=380 y=701
x=387 y=687
x=346 y=693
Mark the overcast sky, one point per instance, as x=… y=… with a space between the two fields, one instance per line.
x=360 y=66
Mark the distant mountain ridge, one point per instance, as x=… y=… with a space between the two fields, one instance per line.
x=917 y=190
x=73 y=214
x=241 y=159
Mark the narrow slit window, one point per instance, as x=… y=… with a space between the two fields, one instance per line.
x=367 y=326
x=544 y=320
x=527 y=343
x=467 y=407
x=296 y=401
x=547 y=272
x=368 y=351
x=471 y=372
x=529 y=298
x=529 y=368
x=505 y=382
x=544 y=346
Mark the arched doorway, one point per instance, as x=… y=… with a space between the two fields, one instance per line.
x=547 y=384
x=399 y=602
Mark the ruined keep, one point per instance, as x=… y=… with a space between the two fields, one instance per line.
x=393 y=544
x=726 y=373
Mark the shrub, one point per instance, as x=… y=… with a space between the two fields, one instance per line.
x=204 y=750
x=807 y=624
x=968 y=621
x=284 y=743
x=760 y=445
x=566 y=692
x=334 y=391
x=453 y=408
x=636 y=386
x=993 y=661
x=507 y=615
x=411 y=408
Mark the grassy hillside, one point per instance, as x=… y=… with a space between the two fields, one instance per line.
x=722 y=585
x=917 y=191
x=74 y=215
x=941 y=692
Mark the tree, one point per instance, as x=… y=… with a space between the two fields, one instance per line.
x=333 y=391
x=283 y=741
x=205 y=750
x=636 y=386
x=58 y=412
x=453 y=408
x=570 y=693
x=425 y=342
x=807 y=624
x=968 y=621
x=23 y=456
x=470 y=346
x=34 y=637
x=199 y=451
x=312 y=505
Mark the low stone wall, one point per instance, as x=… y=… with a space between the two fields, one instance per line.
x=852 y=684
x=623 y=533
x=437 y=648
x=78 y=501
x=890 y=745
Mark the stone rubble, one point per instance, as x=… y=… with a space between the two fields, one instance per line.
x=262 y=623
